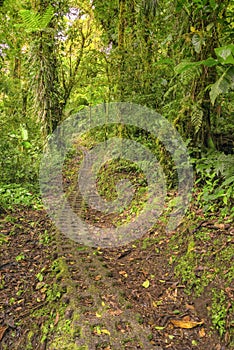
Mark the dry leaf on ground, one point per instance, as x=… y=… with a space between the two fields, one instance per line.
x=186 y=324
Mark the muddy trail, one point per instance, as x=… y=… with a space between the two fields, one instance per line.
x=57 y=294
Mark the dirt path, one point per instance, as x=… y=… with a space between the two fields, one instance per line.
x=56 y=294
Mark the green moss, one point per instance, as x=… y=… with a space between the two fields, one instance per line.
x=60 y=268
x=29 y=345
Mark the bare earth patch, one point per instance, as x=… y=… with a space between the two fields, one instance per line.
x=56 y=294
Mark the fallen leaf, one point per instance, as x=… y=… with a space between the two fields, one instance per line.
x=202 y=333
x=221 y=226
x=115 y=312
x=39 y=285
x=56 y=319
x=2 y=332
x=159 y=328
x=123 y=273
x=186 y=318
x=146 y=284
x=105 y=331
x=156 y=303
x=98 y=277
x=186 y=324
x=190 y=307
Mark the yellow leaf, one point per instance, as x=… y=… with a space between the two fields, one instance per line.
x=186 y=324
x=105 y=331
x=98 y=315
x=159 y=328
x=156 y=303
x=146 y=284
x=192 y=29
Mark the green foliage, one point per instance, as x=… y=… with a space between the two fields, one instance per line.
x=225 y=56
x=223 y=84
x=19 y=154
x=14 y=195
x=216 y=183
x=54 y=292
x=20 y=257
x=219 y=311
x=33 y=22
x=196 y=117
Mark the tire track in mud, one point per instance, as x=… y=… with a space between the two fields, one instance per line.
x=104 y=320
x=98 y=309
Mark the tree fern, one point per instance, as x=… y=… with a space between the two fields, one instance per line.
x=34 y=22
x=197 y=117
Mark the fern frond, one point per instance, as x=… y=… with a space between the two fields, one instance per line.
x=197 y=117
x=31 y=20
x=47 y=17
x=34 y=21
x=190 y=74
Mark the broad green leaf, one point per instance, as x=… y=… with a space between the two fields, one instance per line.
x=185 y=65
x=225 y=53
x=223 y=84
x=209 y=62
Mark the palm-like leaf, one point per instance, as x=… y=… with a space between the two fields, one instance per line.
x=34 y=21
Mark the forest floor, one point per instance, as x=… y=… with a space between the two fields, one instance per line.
x=165 y=290
x=57 y=294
